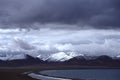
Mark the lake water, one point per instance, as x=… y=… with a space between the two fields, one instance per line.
x=86 y=74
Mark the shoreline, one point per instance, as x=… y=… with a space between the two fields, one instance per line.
x=16 y=73
x=42 y=76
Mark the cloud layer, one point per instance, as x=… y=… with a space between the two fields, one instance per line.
x=101 y=14
x=42 y=28
x=45 y=43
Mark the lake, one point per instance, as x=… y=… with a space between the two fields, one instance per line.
x=81 y=74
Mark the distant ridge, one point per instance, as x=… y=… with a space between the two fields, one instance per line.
x=78 y=60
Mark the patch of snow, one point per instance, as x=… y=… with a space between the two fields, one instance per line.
x=118 y=56
x=62 y=56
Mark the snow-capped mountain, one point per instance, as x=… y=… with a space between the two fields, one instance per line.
x=62 y=56
x=117 y=57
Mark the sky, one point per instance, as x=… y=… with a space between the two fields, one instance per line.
x=48 y=27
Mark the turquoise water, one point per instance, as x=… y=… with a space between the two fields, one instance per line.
x=87 y=74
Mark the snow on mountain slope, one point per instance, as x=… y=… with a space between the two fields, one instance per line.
x=118 y=56
x=62 y=56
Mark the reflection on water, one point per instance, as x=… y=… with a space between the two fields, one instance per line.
x=85 y=74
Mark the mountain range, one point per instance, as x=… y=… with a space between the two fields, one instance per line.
x=103 y=60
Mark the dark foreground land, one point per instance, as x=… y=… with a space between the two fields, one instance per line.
x=16 y=73
x=13 y=76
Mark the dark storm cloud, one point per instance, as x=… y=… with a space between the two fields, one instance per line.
x=103 y=14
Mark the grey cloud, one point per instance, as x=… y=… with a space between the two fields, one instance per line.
x=23 y=44
x=47 y=42
x=103 y=14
